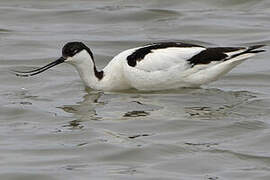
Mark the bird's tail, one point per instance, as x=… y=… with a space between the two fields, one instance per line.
x=250 y=50
x=253 y=49
x=214 y=72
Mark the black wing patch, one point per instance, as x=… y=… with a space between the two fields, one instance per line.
x=140 y=53
x=212 y=54
x=204 y=57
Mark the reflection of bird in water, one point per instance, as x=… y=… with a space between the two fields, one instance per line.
x=86 y=109
x=112 y=106
x=158 y=66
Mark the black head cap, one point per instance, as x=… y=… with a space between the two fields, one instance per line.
x=72 y=48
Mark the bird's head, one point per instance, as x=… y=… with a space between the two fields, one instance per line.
x=76 y=52
x=73 y=53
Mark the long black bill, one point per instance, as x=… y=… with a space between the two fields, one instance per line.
x=39 y=70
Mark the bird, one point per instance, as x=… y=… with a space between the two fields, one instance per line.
x=152 y=67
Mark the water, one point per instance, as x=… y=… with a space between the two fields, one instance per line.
x=53 y=129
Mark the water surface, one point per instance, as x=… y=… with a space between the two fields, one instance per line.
x=52 y=128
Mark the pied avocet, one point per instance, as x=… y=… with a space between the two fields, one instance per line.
x=157 y=66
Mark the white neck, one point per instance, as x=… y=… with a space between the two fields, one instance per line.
x=86 y=69
x=110 y=79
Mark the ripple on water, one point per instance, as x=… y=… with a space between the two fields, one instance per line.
x=5 y=30
x=51 y=128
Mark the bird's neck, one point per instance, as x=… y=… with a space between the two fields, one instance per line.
x=89 y=73
x=111 y=78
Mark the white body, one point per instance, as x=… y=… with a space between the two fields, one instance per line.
x=161 y=69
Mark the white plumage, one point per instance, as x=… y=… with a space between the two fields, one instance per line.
x=157 y=66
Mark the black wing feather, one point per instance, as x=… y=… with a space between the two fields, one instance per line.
x=140 y=53
x=211 y=54
x=219 y=54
